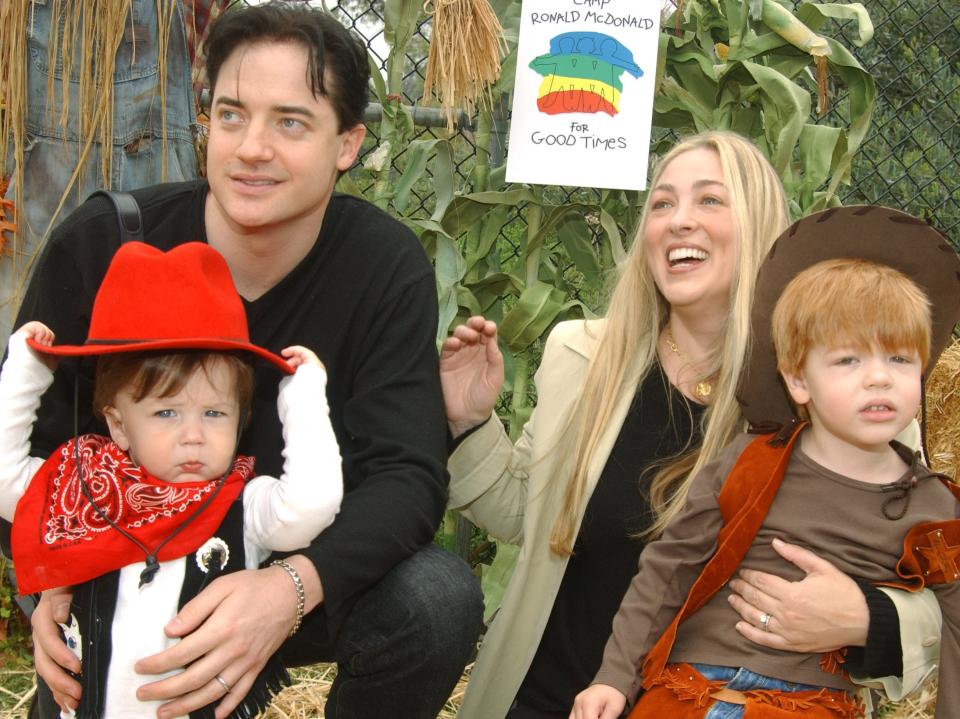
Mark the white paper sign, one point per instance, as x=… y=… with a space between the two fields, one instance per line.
x=583 y=95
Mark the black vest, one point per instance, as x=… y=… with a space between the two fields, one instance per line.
x=94 y=603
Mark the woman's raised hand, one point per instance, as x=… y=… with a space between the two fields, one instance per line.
x=471 y=373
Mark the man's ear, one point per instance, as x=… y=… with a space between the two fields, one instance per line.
x=797 y=387
x=350 y=141
x=115 y=425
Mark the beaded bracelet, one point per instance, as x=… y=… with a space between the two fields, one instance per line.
x=298 y=584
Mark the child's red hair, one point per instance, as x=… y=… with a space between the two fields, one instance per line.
x=849 y=303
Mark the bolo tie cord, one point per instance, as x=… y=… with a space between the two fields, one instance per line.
x=153 y=565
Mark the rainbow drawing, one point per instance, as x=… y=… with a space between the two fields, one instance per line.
x=581 y=73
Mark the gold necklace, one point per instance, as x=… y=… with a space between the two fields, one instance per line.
x=703 y=388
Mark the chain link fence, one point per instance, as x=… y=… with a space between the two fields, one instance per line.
x=910 y=159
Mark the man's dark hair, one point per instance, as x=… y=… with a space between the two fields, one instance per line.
x=336 y=61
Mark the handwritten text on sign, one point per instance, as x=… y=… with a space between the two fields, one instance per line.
x=583 y=96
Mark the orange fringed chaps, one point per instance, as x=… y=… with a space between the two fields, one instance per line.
x=681 y=692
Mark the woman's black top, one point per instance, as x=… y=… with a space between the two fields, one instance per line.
x=660 y=424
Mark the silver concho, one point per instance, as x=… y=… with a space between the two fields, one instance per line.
x=214 y=551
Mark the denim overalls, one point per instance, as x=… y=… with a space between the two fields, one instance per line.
x=51 y=150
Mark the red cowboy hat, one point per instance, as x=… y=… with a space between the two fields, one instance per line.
x=155 y=300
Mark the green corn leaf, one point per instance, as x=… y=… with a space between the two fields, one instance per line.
x=497 y=576
x=379 y=87
x=787 y=107
x=465 y=210
x=447 y=301
x=424 y=225
x=490 y=228
x=575 y=236
x=536 y=308
x=400 y=18
x=449 y=264
x=418 y=152
x=443 y=178
x=468 y=300
x=614 y=240
x=815 y=16
x=817 y=150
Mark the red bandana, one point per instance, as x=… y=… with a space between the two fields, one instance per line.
x=59 y=539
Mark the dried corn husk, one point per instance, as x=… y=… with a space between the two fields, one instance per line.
x=466 y=45
x=784 y=24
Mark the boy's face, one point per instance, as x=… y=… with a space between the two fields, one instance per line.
x=189 y=436
x=274 y=149
x=856 y=397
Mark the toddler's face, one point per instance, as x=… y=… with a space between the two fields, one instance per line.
x=187 y=437
x=861 y=397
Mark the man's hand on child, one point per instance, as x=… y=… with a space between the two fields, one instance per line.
x=42 y=335
x=51 y=655
x=297 y=356
x=598 y=701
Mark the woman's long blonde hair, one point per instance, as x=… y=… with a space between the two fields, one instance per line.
x=627 y=342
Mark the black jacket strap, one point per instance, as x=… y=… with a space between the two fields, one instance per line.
x=128 y=214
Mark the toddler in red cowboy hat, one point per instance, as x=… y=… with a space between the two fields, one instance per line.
x=860 y=302
x=140 y=521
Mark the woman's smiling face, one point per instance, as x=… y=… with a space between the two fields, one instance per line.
x=690 y=235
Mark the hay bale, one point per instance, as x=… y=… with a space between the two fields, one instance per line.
x=919 y=705
x=943 y=412
x=306 y=696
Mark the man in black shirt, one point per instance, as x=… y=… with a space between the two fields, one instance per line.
x=335 y=274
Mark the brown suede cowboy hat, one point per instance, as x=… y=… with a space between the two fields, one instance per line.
x=154 y=300
x=868 y=232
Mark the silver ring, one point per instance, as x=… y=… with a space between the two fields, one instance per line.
x=223 y=683
x=765 y=621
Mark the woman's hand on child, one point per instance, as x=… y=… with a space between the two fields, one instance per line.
x=822 y=612
x=598 y=701
x=42 y=335
x=51 y=656
x=471 y=373
x=297 y=356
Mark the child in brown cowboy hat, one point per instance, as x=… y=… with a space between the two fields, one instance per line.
x=863 y=300
x=140 y=521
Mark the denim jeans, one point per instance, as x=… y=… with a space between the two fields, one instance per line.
x=742 y=680
x=51 y=149
x=402 y=649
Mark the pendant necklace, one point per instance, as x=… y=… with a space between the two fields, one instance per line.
x=703 y=388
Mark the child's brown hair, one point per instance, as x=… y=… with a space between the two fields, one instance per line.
x=163 y=374
x=849 y=302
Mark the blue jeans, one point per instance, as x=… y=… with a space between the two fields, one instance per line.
x=400 y=652
x=742 y=680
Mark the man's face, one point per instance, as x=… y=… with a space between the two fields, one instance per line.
x=274 y=149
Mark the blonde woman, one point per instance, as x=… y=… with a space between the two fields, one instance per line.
x=629 y=408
